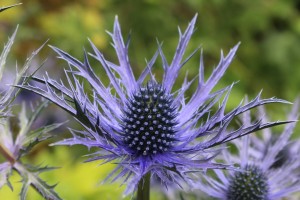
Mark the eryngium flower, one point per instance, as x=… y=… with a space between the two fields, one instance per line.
x=147 y=126
x=269 y=166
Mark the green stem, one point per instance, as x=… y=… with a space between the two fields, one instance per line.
x=7 y=155
x=143 y=192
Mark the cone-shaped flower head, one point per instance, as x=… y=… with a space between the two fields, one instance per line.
x=251 y=183
x=148 y=126
x=149 y=121
x=269 y=166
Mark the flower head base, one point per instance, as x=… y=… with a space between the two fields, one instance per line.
x=149 y=121
x=149 y=128
x=250 y=183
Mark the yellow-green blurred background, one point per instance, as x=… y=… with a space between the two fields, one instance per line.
x=268 y=59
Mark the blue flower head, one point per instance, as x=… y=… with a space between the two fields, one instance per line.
x=269 y=166
x=148 y=127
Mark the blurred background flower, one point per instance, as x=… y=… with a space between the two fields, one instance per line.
x=269 y=165
x=267 y=58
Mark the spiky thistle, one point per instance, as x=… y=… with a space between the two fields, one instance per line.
x=15 y=143
x=147 y=127
x=269 y=166
x=8 y=7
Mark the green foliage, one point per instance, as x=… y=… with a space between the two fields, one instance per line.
x=269 y=32
x=267 y=58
